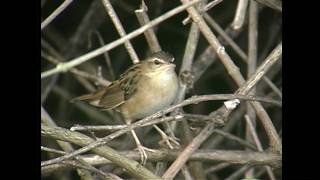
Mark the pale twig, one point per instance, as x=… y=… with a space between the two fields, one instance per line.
x=254 y=134
x=252 y=39
x=274 y=88
x=55 y=13
x=47 y=120
x=232 y=69
x=235 y=138
x=52 y=150
x=230 y=156
x=103 y=141
x=150 y=120
x=203 y=9
x=225 y=37
x=149 y=34
x=84 y=165
x=240 y=15
x=186 y=153
x=238 y=78
x=224 y=156
x=131 y=166
x=74 y=62
x=79 y=75
x=185 y=75
x=211 y=4
x=202 y=119
x=251 y=67
x=234 y=119
x=48 y=88
x=97 y=128
x=121 y=31
x=207 y=130
x=186 y=173
x=77 y=72
x=236 y=48
x=106 y=55
x=209 y=56
x=186 y=82
x=274 y=140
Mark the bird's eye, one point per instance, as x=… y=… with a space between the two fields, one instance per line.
x=156 y=62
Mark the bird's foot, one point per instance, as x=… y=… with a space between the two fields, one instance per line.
x=143 y=155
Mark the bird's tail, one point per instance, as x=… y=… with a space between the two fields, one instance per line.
x=88 y=97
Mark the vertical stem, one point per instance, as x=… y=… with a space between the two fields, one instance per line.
x=120 y=30
x=252 y=64
x=240 y=15
x=252 y=130
x=149 y=34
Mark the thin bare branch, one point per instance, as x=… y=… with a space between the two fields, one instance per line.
x=84 y=165
x=131 y=166
x=150 y=120
x=235 y=138
x=97 y=128
x=52 y=150
x=236 y=75
x=222 y=113
x=251 y=66
x=121 y=31
x=240 y=15
x=203 y=10
x=234 y=72
x=47 y=120
x=55 y=13
x=237 y=49
x=258 y=143
x=48 y=88
x=77 y=72
x=106 y=56
x=225 y=156
x=234 y=157
x=149 y=34
x=74 y=62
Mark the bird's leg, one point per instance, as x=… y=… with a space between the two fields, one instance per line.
x=166 y=139
x=142 y=150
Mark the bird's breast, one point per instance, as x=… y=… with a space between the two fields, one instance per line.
x=152 y=95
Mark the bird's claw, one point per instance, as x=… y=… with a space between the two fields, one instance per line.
x=143 y=155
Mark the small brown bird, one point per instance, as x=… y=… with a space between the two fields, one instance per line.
x=142 y=90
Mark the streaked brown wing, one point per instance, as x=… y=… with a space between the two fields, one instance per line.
x=116 y=93
x=121 y=90
x=113 y=96
x=129 y=80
